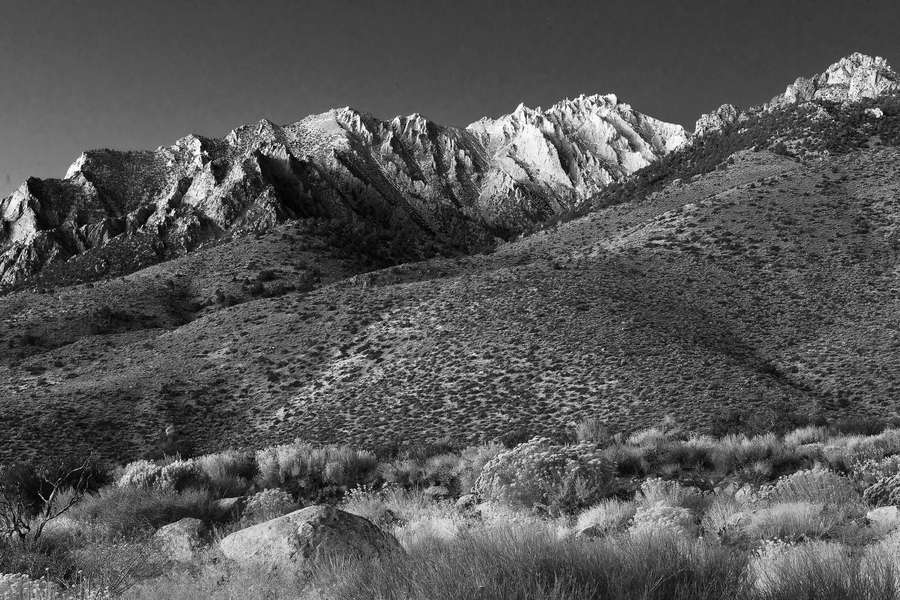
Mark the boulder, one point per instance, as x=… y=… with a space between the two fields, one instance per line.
x=466 y=502
x=594 y=530
x=436 y=492
x=884 y=492
x=306 y=535
x=227 y=509
x=182 y=540
x=885 y=516
x=19 y=585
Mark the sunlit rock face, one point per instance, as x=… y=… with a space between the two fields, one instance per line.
x=459 y=186
x=717 y=120
x=851 y=79
x=566 y=153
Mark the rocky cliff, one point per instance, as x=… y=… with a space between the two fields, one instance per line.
x=447 y=187
x=854 y=78
x=850 y=79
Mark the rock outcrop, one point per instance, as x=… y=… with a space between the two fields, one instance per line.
x=851 y=79
x=20 y=585
x=717 y=120
x=448 y=188
x=887 y=517
x=306 y=535
x=180 y=541
x=568 y=152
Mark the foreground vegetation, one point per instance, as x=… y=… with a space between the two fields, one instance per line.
x=658 y=513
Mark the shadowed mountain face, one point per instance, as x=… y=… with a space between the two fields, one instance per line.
x=754 y=269
x=448 y=190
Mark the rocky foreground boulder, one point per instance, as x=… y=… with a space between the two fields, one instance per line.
x=182 y=540
x=303 y=536
x=884 y=516
x=19 y=585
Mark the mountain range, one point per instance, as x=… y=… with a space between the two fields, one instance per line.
x=450 y=190
x=345 y=278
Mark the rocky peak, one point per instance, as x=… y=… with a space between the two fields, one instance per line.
x=576 y=147
x=717 y=120
x=850 y=79
x=452 y=188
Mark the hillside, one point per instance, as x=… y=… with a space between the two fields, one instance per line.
x=745 y=277
x=770 y=284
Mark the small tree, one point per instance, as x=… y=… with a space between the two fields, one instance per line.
x=31 y=496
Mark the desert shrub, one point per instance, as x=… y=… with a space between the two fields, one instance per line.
x=609 y=516
x=791 y=521
x=30 y=494
x=370 y=505
x=140 y=474
x=844 y=451
x=21 y=586
x=419 y=530
x=758 y=458
x=823 y=570
x=121 y=511
x=419 y=521
x=472 y=461
x=866 y=472
x=533 y=562
x=314 y=472
x=179 y=475
x=442 y=470
x=660 y=517
x=268 y=504
x=886 y=443
x=541 y=474
x=410 y=515
x=694 y=454
x=115 y=566
x=806 y=435
x=514 y=437
x=425 y=450
x=40 y=559
x=629 y=461
x=229 y=473
x=735 y=451
x=813 y=485
x=214 y=581
x=403 y=472
x=656 y=491
x=592 y=429
x=866 y=426
x=883 y=558
x=883 y=492
x=652 y=437
x=723 y=516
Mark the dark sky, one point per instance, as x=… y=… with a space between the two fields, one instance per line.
x=80 y=74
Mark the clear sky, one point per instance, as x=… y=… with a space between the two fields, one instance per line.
x=79 y=74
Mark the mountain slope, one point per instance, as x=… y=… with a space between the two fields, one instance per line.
x=448 y=190
x=755 y=270
x=771 y=283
